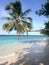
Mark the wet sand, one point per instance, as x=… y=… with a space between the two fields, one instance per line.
x=33 y=53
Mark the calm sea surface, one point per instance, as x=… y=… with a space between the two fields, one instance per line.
x=10 y=39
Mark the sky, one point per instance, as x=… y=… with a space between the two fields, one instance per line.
x=34 y=5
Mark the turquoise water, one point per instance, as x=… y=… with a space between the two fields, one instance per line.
x=9 y=39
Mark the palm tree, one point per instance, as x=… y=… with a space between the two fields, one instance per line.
x=18 y=20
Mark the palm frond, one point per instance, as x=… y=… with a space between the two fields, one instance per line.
x=7 y=7
x=6 y=18
x=5 y=26
x=8 y=26
x=10 y=6
x=29 y=26
x=29 y=19
x=26 y=19
x=20 y=28
x=25 y=26
x=15 y=7
x=25 y=13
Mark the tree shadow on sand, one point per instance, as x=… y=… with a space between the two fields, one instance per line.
x=36 y=56
x=47 y=52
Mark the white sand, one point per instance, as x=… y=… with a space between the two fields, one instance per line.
x=17 y=51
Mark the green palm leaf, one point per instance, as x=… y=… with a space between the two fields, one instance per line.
x=20 y=28
x=6 y=18
x=26 y=12
x=27 y=19
x=5 y=26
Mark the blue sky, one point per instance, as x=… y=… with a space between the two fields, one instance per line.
x=38 y=22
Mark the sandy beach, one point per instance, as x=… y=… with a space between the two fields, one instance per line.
x=34 y=53
x=18 y=51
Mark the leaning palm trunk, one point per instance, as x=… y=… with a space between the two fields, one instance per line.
x=27 y=33
x=18 y=35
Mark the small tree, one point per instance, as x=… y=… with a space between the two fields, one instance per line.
x=44 y=11
x=45 y=31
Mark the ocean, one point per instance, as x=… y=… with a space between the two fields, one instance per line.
x=10 y=39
